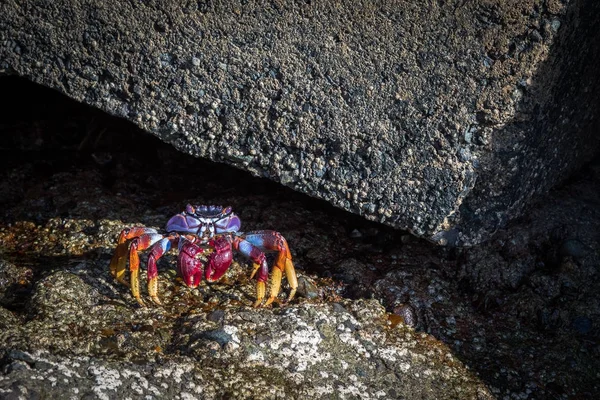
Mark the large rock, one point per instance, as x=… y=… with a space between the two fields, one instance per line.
x=443 y=118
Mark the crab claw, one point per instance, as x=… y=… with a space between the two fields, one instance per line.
x=188 y=266
x=220 y=260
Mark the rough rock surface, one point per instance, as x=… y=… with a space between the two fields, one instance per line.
x=194 y=348
x=521 y=311
x=442 y=118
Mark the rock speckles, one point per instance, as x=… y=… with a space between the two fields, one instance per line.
x=445 y=127
x=63 y=318
x=280 y=351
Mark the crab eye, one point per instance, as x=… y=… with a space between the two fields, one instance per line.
x=201 y=209
x=226 y=211
x=189 y=209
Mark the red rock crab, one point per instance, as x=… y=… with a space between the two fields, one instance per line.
x=203 y=229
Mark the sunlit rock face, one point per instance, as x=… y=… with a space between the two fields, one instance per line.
x=441 y=118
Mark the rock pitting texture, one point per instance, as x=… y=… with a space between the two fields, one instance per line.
x=97 y=344
x=522 y=311
x=443 y=118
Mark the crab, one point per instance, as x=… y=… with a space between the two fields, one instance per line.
x=210 y=230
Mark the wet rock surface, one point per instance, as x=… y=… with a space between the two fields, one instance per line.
x=380 y=312
x=443 y=118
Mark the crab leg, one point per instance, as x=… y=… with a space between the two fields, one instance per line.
x=139 y=244
x=274 y=241
x=157 y=251
x=260 y=265
x=118 y=262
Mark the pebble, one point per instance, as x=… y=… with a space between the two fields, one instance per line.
x=355 y=234
x=307 y=289
x=408 y=314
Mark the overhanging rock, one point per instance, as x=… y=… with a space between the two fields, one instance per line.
x=444 y=118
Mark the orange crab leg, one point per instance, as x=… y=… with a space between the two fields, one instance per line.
x=269 y=241
x=118 y=262
x=139 y=244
